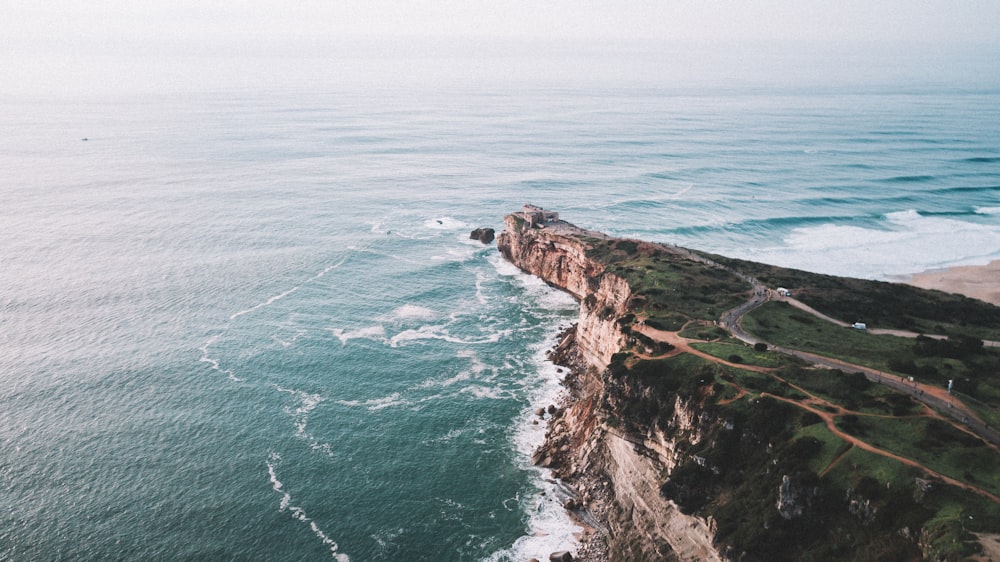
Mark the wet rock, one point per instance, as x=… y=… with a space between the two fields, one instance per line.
x=484 y=235
x=538 y=457
x=561 y=556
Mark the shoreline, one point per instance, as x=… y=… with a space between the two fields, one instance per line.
x=976 y=281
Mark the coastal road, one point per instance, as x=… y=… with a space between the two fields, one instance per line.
x=935 y=397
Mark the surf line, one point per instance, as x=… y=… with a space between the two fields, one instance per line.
x=298 y=513
x=300 y=415
x=214 y=363
x=280 y=296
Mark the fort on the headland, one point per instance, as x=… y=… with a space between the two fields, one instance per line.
x=537 y=217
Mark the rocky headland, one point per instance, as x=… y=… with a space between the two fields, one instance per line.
x=691 y=461
x=616 y=473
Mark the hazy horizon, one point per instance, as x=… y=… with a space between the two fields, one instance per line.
x=115 y=47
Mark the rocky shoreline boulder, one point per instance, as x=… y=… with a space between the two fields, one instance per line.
x=484 y=235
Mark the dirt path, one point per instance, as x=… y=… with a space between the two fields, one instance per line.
x=827 y=411
x=683 y=345
x=828 y=419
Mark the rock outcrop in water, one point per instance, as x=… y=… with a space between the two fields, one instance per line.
x=484 y=235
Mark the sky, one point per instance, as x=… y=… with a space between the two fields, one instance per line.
x=157 y=43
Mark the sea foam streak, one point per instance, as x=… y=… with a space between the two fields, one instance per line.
x=284 y=294
x=214 y=363
x=371 y=332
x=439 y=333
x=550 y=527
x=299 y=513
x=412 y=311
x=307 y=403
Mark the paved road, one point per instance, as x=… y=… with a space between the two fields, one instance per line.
x=934 y=397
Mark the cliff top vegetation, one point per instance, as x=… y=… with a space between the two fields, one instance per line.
x=807 y=462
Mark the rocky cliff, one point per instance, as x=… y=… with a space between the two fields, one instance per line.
x=558 y=255
x=616 y=467
x=674 y=453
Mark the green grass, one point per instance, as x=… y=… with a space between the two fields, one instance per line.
x=990 y=414
x=858 y=463
x=878 y=303
x=764 y=438
x=781 y=324
x=852 y=391
x=832 y=445
x=936 y=444
x=727 y=349
x=974 y=372
x=667 y=288
x=947 y=513
x=759 y=383
x=695 y=331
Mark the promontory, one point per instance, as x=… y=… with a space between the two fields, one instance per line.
x=722 y=409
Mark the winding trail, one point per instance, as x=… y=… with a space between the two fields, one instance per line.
x=828 y=411
x=828 y=419
x=933 y=396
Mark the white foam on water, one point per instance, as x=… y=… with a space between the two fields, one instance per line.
x=442 y=383
x=485 y=392
x=550 y=527
x=447 y=437
x=909 y=243
x=375 y=333
x=307 y=403
x=413 y=312
x=376 y=404
x=288 y=343
x=480 y=294
x=440 y=333
x=386 y=538
x=466 y=251
x=538 y=291
x=299 y=513
x=271 y=300
x=214 y=363
x=988 y=210
x=268 y=302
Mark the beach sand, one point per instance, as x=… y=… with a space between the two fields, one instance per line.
x=976 y=281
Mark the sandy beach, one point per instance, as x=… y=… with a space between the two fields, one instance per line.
x=976 y=281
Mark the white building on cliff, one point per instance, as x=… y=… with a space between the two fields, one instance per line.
x=537 y=217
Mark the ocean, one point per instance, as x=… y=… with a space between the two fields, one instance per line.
x=252 y=326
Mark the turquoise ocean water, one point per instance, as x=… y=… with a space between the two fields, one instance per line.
x=252 y=327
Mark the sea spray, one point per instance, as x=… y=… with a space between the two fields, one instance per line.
x=549 y=526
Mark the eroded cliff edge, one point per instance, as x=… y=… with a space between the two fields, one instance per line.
x=683 y=443
x=616 y=467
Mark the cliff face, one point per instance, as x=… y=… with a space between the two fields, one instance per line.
x=617 y=468
x=670 y=454
x=558 y=256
